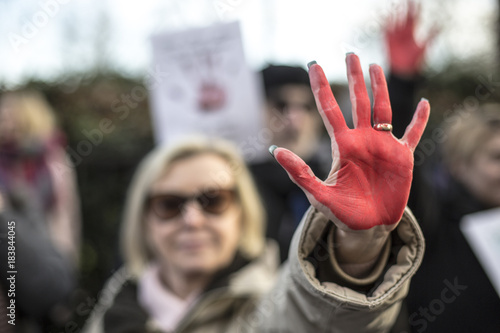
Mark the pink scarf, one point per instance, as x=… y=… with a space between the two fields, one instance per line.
x=166 y=309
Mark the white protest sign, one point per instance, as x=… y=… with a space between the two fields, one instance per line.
x=206 y=87
x=482 y=231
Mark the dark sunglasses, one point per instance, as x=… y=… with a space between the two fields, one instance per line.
x=168 y=206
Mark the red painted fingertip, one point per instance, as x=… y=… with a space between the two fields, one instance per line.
x=272 y=149
x=309 y=64
x=350 y=56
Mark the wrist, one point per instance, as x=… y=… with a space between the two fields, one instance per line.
x=406 y=72
x=355 y=264
x=360 y=247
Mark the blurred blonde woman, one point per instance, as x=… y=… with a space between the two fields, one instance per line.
x=471 y=152
x=195 y=258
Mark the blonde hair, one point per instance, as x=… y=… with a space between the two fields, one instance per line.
x=135 y=250
x=467 y=133
x=34 y=117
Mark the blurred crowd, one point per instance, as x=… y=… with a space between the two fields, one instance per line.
x=146 y=279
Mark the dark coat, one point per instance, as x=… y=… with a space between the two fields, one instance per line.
x=450 y=292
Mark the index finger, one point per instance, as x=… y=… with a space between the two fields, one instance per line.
x=327 y=105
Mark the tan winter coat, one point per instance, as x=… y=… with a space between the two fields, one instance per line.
x=309 y=293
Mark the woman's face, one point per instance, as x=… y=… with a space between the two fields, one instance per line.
x=482 y=175
x=199 y=236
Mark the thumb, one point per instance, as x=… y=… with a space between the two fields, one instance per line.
x=298 y=171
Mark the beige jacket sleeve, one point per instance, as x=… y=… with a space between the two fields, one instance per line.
x=313 y=294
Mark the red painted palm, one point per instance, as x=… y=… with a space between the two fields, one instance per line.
x=370 y=178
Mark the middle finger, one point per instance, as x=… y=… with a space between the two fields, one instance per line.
x=360 y=101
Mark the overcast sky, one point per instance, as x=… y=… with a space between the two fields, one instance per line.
x=46 y=38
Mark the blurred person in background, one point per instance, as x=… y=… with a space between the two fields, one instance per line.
x=39 y=191
x=465 y=180
x=462 y=177
x=34 y=273
x=34 y=166
x=406 y=58
x=195 y=254
x=292 y=117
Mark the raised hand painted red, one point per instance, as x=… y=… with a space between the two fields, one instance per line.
x=369 y=182
x=406 y=55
